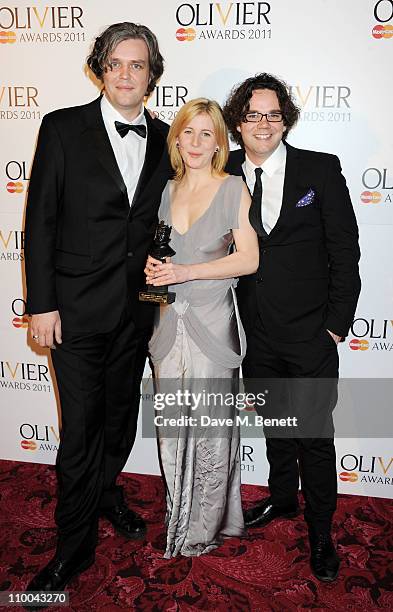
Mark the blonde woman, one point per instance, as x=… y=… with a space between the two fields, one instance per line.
x=199 y=343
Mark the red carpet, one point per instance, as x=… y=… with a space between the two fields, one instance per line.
x=266 y=572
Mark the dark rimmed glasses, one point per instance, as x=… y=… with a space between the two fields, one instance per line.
x=254 y=117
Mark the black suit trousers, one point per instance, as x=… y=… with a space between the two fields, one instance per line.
x=302 y=380
x=98 y=376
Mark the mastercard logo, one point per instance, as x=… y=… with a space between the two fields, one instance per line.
x=348 y=476
x=14 y=187
x=370 y=197
x=7 y=37
x=382 y=31
x=183 y=34
x=28 y=445
x=358 y=345
x=20 y=322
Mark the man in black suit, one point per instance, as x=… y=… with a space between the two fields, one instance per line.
x=298 y=305
x=95 y=187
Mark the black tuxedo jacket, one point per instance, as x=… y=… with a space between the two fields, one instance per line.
x=85 y=246
x=308 y=276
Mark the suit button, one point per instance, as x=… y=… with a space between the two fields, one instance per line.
x=130 y=254
x=264 y=251
x=259 y=280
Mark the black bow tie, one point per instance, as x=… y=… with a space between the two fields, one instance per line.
x=124 y=128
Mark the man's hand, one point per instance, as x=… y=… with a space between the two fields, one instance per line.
x=45 y=328
x=336 y=338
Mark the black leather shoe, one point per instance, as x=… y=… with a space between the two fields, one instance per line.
x=261 y=515
x=324 y=560
x=56 y=575
x=126 y=521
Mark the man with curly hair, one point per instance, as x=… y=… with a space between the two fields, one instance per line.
x=298 y=305
x=95 y=187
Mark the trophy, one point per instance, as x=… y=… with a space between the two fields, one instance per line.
x=160 y=249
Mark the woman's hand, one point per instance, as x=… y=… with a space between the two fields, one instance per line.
x=151 y=268
x=158 y=273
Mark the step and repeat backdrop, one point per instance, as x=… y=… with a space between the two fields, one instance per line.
x=336 y=57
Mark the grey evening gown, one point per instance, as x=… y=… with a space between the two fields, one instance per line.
x=197 y=338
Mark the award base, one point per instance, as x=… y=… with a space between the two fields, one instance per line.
x=156 y=297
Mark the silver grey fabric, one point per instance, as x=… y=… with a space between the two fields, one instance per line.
x=200 y=336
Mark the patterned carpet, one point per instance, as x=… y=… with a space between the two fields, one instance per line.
x=267 y=572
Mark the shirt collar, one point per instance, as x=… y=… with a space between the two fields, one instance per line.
x=274 y=162
x=110 y=114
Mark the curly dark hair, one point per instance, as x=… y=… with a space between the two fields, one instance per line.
x=238 y=103
x=115 y=34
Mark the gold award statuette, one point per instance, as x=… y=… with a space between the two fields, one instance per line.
x=160 y=249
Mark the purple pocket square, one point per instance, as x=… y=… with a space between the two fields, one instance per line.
x=307 y=199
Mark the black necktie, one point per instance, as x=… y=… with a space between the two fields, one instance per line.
x=124 y=128
x=255 y=214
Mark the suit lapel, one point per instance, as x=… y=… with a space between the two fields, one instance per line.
x=101 y=147
x=290 y=180
x=154 y=148
x=289 y=189
x=235 y=164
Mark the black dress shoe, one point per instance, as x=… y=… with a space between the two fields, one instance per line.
x=324 y=560
x=56 y=575
x=261 y=515
x=126 y=521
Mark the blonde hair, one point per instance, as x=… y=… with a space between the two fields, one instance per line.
x=183 y=117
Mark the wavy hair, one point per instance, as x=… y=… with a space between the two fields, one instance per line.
x=98 y=60
x=187 y=112
x=238 y=103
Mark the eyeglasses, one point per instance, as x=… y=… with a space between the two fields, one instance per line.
x=255 y=117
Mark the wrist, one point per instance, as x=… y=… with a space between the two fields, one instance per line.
x=335 y=337
x=190 y=272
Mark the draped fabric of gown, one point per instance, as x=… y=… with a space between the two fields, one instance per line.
x=199 y=340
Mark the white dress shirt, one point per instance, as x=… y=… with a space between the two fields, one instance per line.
x=272 y=184
x=129 y=151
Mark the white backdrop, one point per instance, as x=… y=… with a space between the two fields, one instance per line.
x=337 y=58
